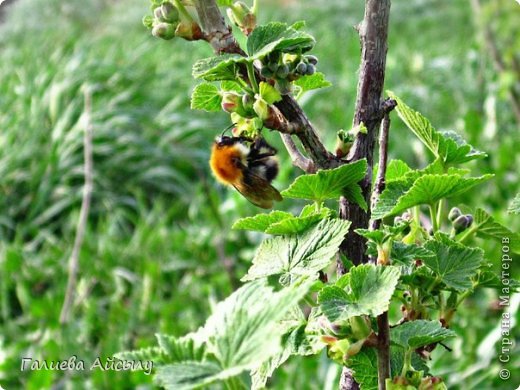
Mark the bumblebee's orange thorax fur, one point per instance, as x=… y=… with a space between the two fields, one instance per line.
x=225 y=162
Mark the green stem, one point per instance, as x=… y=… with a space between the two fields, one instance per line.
x=440 y=212
x=183 y=11
x=433 y=217
x=462 y=297
x=468 y=233
x=244 y=85
x=441 y=305
x=251 y=75
x=254 y=8
x=407 y=363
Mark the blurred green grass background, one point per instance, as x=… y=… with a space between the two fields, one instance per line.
x=159 y=251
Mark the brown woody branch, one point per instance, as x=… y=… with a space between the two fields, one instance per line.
x=373 y=33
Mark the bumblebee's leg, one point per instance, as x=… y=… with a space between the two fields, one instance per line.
x=261 y=149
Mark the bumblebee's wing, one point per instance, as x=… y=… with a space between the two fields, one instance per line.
x=258 y=191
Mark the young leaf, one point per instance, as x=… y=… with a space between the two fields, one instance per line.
x=302 y=254
x=449 y=146
x=269 y=93
x=329 y=184
x=514 y=207
x=261 y=222
x=487 y=227
x=206 y=97
x=228 y=85
x=415 y=334
x=427 y=189
x=294 y=225
x=315 y=81
x=454 y=264
x=368 y=293
x=277 y=36
x=407 y=254
x=224 y=67
x=396 y=170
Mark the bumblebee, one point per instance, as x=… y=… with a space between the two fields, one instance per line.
x=249 y=165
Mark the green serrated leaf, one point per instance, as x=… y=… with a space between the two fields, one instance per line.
x=486 y=227
x=427 y=189
x=277 y=36
x=397 y=169
x=514 y=207
x=244 y=328
x=364 y=365
x=188 y=375
x=449 y=146
x=314 y=81
x=190 y=347
x=155 y=354
x=261 y=222
x=407 y=254
x=294 y=225
x=454 y=264
x=295 y=341
x=302 y=254
x=369 y=292
x=228 y=85
x=269 y=93
x=224 y=67
x=206 y=97
x=415 y=334
x=328 y=184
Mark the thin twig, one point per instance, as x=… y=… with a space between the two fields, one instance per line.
x=73 y=268
x=298 y=159
x=380 y=183
x=383 y=325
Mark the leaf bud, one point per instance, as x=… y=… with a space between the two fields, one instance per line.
x=247 y=101
x=231 y=101
x=169 y=12
x=241 y=15
x=301 y=68
x=461 y=223
x=273 y=66
x=261 y=108
x=311 y=59
x=266 y=72
x=311 y=69
x=454 y=214
x=189 y=30
x=148 y=21
x=282 y=72
x=164 y=31
x=158 y=15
